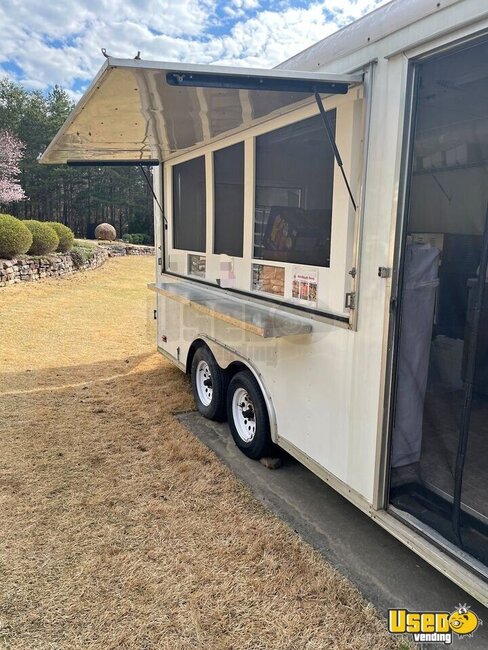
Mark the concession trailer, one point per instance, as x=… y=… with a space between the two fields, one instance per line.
x=322 y=251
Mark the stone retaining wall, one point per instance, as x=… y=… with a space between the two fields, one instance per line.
x=118 y=249
x=30 y=269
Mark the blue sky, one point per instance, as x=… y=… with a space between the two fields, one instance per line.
x=46 y=43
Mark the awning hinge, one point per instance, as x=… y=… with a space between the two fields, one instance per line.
x=333 y=144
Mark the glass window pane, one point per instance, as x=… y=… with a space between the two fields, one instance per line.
x=294 y=184
x=189 y=205
x=229 y=200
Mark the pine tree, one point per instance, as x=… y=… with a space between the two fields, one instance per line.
x=78 y=197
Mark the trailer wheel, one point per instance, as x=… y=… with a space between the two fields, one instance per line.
x=248 y=416
x=209 y=385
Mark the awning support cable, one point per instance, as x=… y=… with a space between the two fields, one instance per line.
x=333 y=144
x=149 y=184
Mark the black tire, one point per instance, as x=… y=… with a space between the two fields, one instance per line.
x=261 y=444
x=216 y=408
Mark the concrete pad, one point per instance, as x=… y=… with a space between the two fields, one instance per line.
x=386 y=572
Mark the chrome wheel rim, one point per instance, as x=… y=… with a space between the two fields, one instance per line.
x=203 y=382
x=244 y=415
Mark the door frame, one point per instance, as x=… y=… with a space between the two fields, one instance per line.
x=381 y=497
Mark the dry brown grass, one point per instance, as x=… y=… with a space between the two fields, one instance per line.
x=118 y=528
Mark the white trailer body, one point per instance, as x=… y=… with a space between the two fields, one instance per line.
x=318 y=325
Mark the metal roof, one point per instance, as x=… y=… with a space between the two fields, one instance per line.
x=366 y=32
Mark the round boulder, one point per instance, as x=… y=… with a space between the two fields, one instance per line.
x=105 y=232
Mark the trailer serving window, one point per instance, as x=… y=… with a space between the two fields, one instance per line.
x=280 y=234
x=189 y=205
x=277 y=205
x=293 y=197
x=229 y=200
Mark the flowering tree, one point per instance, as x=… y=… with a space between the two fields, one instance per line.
x=11 y=151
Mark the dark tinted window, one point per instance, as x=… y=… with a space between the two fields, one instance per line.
x=294 y=183
x=229 y=200
x=189 y=221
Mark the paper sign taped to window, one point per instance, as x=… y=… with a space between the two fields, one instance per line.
x=304 y=286
x=197 y=265
x=268 y=279
x=227 y=275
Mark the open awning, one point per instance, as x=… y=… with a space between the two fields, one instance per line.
x=144 y=111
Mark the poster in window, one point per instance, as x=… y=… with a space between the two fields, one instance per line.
x=269 y=279
x=228 y=278
x=196 y=265
x=304 y=286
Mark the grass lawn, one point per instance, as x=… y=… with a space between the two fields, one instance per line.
x=119 y=530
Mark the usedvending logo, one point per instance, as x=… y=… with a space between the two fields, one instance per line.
x=434 y=627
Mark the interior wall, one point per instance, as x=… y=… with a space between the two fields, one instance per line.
x=461 y=212
x=297 y=176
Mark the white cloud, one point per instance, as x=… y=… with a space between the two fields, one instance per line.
x=52 y=43
x=238 y=8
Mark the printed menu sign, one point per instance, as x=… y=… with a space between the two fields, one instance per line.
x=304 y=286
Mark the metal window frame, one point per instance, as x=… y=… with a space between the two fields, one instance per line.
x=248 y=136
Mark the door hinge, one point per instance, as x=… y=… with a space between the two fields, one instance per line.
x=155 y=314
x=350 y=300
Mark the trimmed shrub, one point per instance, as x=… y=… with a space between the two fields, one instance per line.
x=65 y=234
x=78 y=255
x=105 y=231
x=81 y=254
x=44 y=238
x=15 y=237
x=139 y=238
